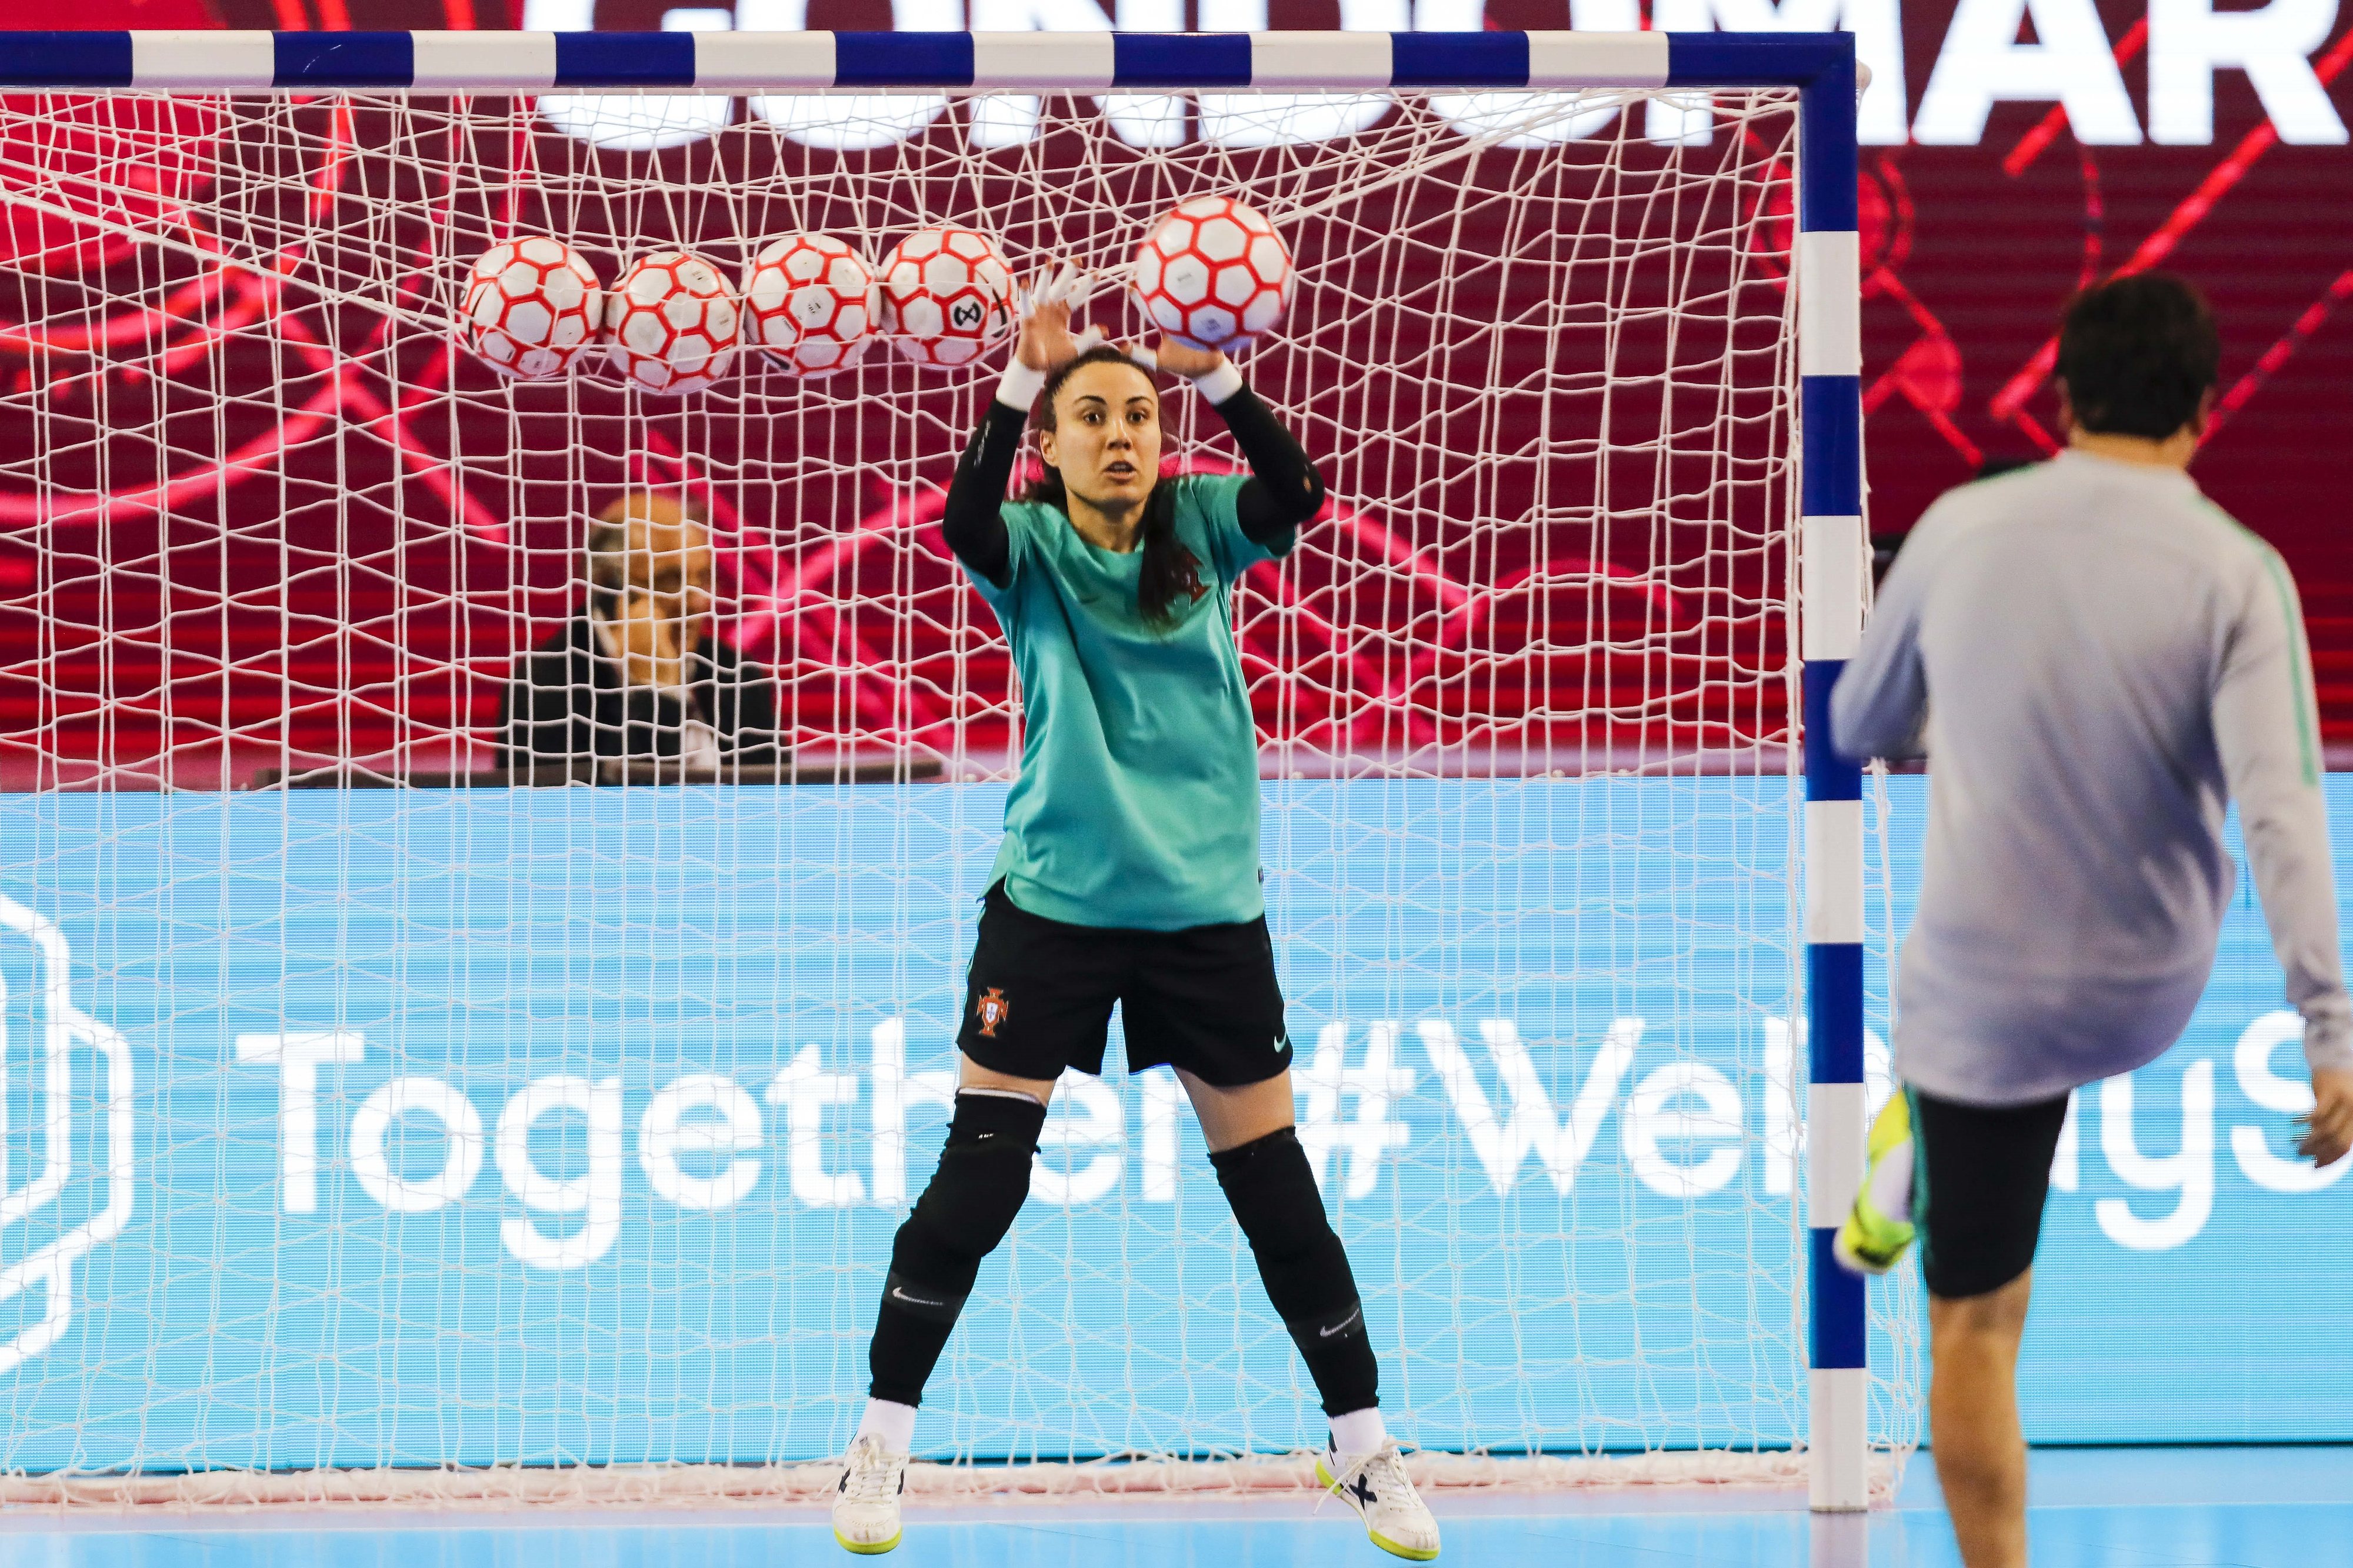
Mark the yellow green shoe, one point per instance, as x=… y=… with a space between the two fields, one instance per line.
x=1871 y=1241
x=866 y=1500
x=1377 y=1488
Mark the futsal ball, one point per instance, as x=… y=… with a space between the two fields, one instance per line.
x=530 y=307
x=1213 y=274
x=947 y=294
x=670 y=323
x=811 y=302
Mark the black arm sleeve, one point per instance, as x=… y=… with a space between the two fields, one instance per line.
x=1284 y=489
x=972 y=521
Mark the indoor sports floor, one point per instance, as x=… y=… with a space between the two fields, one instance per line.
x=2147 y=1508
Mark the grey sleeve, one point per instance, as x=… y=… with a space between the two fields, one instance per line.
x=2266 y=728
x=1880 y=707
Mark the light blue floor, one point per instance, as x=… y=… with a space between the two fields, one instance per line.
x=2244 y=1507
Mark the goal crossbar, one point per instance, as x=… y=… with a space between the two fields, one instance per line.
x=1820 y=65
x=1822 y=69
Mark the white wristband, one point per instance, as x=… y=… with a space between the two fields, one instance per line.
x=1019 y=387
x=1219 y=383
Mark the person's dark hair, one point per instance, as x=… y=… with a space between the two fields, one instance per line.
x=1159 y=577
x=2137 y=354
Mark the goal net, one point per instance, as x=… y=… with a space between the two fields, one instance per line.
x=404 y=1138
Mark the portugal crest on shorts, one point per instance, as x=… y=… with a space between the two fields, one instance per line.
x=993 y=1009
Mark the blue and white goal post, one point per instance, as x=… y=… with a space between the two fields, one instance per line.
x=1818 y=594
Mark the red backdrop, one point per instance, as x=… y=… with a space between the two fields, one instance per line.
x=1969 y=252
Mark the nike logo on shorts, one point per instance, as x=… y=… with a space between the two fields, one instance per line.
x=1341 y=1327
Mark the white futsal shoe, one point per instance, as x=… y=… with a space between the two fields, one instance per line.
x=1377 y=1488
x=866 y=1503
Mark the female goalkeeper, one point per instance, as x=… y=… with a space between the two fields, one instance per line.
x=1129 y=874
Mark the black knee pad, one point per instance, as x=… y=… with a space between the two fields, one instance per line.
x=1302 y=1263
x=984 y=1176
x=982 y=1182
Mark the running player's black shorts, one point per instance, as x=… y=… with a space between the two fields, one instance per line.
x=1039 y=997
x=1979 y=1177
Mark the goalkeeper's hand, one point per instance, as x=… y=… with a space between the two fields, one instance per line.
x=1192 y=364
x=1046 y=344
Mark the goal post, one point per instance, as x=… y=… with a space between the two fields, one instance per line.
x=1361 y=672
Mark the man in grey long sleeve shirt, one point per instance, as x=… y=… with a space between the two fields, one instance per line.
x=2098 y=660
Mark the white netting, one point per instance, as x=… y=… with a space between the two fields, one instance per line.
x=558 y=1127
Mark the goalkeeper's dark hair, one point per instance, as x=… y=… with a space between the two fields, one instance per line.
x=1159 y=578
x=2138 y=355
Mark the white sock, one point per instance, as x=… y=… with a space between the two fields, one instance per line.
x=894 y=1423
x=1891 y=1183
x=1359 y=1432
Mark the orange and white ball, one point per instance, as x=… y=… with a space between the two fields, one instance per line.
x=810 y=303
x=947 y=294
x=670 y=324
x=1213 y=274
x=532 y=307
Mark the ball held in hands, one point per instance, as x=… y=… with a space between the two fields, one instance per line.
x=1213 y=274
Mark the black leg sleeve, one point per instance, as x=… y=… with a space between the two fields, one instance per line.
x=1272 y=1189
x=983 y=1178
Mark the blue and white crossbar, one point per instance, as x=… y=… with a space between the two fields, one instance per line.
x=807 y=62
x=1832 y=551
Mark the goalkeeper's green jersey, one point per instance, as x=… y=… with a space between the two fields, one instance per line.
x=1137 y=802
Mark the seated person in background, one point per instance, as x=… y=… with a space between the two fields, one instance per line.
x=641 y=676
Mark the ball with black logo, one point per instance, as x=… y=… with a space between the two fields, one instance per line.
x=947 y=295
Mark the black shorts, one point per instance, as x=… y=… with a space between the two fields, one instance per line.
x=1979 y=1177
x=1039 y=997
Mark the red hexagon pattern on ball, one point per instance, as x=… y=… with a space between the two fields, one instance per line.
x=811 y=303
x=670 y=323
x=532 y=307
x=947 y=294
x=1213 y=273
